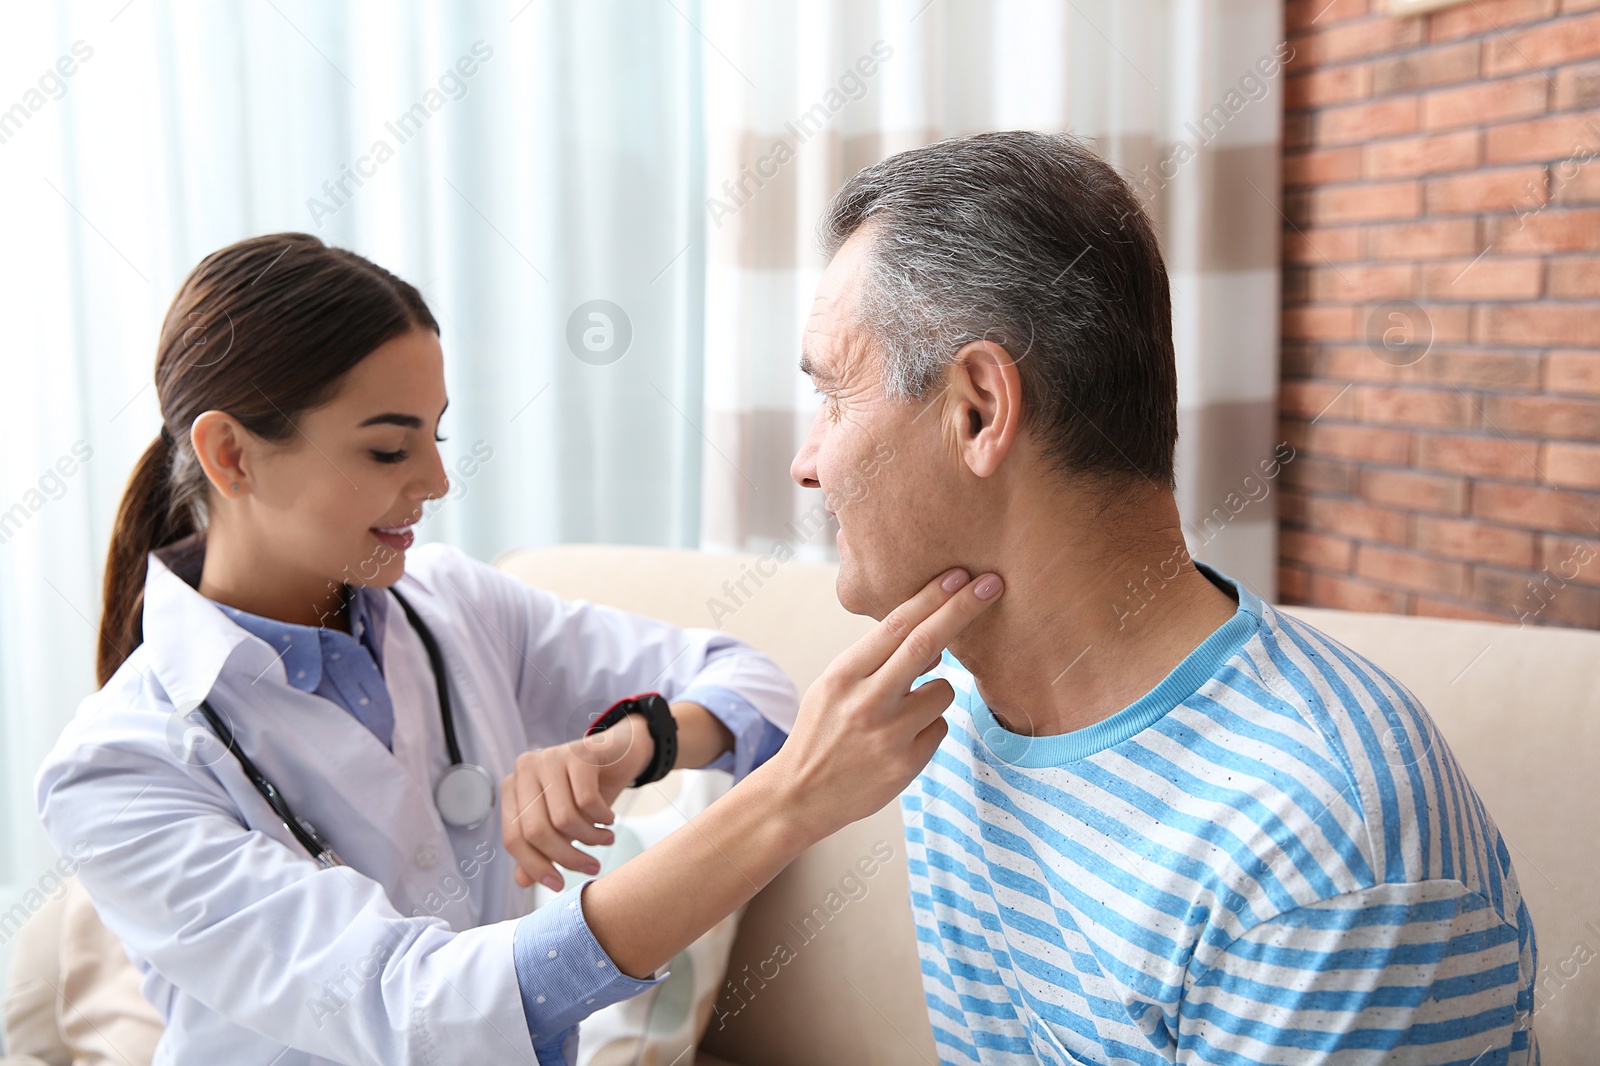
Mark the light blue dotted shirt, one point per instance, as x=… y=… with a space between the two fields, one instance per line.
x=346 y=668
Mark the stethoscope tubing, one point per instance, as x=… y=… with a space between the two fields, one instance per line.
x=440 y=681
x=302 y=829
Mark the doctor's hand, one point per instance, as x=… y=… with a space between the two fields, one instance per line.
x=556 y=795
x=861 y=736
x=863 y=733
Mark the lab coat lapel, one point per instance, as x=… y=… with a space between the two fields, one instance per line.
x=375 y=808
x=420 y=746
x=371 y=806
x=187 y=637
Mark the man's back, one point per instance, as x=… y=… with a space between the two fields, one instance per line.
x=1272 y=857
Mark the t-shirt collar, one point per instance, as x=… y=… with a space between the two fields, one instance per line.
x=1199 y=666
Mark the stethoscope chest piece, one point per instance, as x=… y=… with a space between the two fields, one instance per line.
x=464 y=796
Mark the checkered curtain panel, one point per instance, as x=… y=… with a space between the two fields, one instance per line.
x=1185 y=98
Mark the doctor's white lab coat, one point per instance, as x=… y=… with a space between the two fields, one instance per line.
x=252 y=953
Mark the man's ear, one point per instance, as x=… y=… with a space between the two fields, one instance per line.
x=983 y=406
x=221 y=444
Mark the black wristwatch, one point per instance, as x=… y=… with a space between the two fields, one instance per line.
x=663 y=730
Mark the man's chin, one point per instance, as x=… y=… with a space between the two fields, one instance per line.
x=853 y=597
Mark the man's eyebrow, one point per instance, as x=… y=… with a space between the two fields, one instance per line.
x=811 y=370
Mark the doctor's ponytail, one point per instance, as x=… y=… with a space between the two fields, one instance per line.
x=145 y=519
x=264 y=330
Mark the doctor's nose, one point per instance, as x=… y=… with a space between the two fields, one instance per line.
x=435 y=482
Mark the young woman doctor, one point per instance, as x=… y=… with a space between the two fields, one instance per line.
x=284 y=791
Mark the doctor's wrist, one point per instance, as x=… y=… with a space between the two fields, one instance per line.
x=641 y=746
x=623 y=750
x=702 y=737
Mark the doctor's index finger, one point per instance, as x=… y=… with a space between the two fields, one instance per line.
x=872 y=652
x=868 y=654
x=927 y=640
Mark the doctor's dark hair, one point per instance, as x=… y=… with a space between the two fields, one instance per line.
x=1033 y=242
x=263 y=330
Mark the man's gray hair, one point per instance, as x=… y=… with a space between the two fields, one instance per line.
x=1033 y=242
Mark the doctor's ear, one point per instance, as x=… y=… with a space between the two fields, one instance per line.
x=222 y=445
x=983 y=405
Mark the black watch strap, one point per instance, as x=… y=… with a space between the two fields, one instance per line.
x=663 y=730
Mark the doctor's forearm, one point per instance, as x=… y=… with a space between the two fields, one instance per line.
x=659 y=902
x=701 y=736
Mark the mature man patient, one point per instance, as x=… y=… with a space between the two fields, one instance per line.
x=1199 y=833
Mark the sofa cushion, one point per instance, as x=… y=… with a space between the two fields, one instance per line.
x=73 y=996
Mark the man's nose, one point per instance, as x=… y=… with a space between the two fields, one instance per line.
x=804 y=467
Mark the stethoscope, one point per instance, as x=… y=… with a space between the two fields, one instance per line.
x=464 y=795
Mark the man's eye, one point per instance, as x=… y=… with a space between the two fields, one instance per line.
x=390 y=457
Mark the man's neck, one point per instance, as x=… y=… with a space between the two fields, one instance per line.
x=1087 y=629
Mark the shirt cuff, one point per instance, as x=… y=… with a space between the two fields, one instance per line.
x=565 y=975
x=755 y=738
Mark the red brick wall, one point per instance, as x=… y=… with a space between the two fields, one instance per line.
x=1441 y=326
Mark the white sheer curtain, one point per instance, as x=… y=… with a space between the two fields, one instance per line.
x=564 y=169
x=577 y=170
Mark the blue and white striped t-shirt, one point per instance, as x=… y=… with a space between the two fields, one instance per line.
x=1271 y=857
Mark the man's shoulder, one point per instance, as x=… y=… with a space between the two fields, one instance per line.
x=1369 y=721
x=1384 y=759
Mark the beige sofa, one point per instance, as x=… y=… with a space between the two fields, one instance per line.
x=1520 y=708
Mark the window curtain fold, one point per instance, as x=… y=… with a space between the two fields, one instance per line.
x=611 y=209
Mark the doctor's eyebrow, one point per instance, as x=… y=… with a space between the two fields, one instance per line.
x=392 y=418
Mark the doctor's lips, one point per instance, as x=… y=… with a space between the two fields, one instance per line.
x=397 y=537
